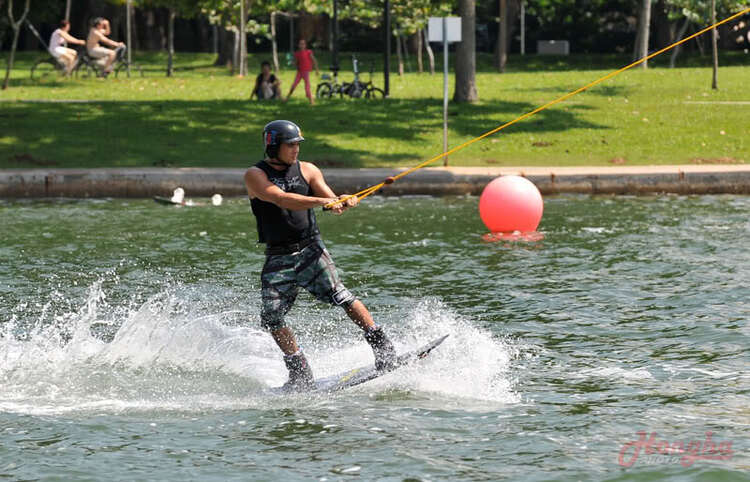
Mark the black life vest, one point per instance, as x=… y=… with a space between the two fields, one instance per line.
x=279 y=226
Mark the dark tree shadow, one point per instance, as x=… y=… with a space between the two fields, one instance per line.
x=227 y=133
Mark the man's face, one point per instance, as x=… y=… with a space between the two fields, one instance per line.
x=266 y=69
x=288 y=152
x=302 y=44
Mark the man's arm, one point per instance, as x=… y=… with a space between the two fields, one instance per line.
x=258 y=186
x=321 y=188
x=106 y=41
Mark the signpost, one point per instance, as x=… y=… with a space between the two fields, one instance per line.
x=128 y=15
x=445 y=30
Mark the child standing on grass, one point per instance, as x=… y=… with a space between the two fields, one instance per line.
x=305 y=63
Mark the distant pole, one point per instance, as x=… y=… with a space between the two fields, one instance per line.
x=387 y=59
x=67 y=10
x=523 y=28
x=445 y=89
x=714 y=48
x=274 y=43
x=335 y=49
x=128 y=13
x=243 y=40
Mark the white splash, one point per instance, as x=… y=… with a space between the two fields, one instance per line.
x=167 y=355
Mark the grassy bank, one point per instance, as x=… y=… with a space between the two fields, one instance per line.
x=202 y=117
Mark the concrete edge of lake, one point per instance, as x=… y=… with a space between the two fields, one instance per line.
x=148 y=182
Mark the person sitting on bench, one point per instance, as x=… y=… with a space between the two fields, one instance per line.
x=267 y=85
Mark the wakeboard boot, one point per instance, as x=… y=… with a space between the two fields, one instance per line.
x=385 y=354
x=300 y=375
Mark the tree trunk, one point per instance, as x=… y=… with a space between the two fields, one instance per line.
x=205 y=43
x=699 y=43
x=16 y=30
x=430 y=54
x=128 y=32
x=466 y=87
x=714 y=48
x=236 y=52
x=67 y=10
x=243 y=40
x=637 y=43
x=170 y=42
x=151 y=33
x=136 y=45
x=226 y=47
x=399 y=55
x=501 y=57
x=676 y=50
x=420 y=65
x=523 y=26
x=11 y=54
x=274 y=43
x=644 y=27
x=663 y=28
x=405 y=46
x=2 y=30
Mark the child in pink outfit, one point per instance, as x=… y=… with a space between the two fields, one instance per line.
x=305 y=63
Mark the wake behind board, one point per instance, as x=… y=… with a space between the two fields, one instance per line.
x=357 y=376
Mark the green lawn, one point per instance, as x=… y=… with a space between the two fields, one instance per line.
x=202 y=116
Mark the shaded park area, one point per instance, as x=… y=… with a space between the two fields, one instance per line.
x=203 y=117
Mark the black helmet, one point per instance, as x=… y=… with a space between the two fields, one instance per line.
x=280 y=132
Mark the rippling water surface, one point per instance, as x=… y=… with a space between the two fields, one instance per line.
x=616 y=348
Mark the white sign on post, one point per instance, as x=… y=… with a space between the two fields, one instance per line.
x=445 y=30
x=435 y=29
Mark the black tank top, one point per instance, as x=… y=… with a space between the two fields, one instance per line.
x=276 y=225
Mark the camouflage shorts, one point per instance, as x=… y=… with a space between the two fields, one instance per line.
x=311 y=268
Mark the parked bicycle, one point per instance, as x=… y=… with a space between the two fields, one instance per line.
x=329 y=86
x=355 y=89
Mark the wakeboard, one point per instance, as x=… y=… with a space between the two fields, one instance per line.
x=357 y=376
x=166 y=200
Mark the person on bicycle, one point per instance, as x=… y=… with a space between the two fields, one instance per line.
x=267 y=85
x=305 y=63
x=99 y=34
x=283 y=192
x=58 y=46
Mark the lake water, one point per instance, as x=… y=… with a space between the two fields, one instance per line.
x=130 y=346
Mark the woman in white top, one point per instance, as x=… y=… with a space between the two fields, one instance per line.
x=58 y=46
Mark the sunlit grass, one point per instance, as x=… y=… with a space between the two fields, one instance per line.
x=202 y=116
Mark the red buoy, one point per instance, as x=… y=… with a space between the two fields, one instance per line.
x=511 y=204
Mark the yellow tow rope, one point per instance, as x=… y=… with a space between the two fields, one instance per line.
x=389 y=180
